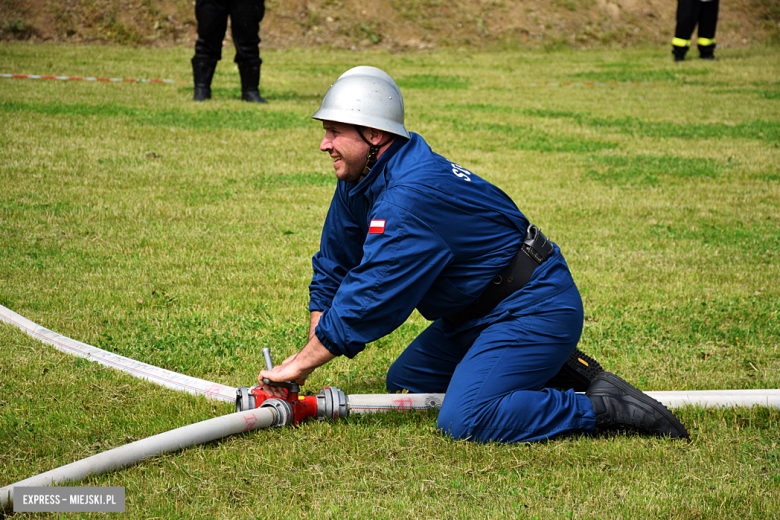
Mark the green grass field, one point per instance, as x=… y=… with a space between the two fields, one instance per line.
x=180 y=234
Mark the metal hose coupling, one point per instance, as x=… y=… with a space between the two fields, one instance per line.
x=283 y=410
x=245 y=399
x=332 y=403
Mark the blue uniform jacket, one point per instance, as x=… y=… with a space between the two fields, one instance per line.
x=419 y=231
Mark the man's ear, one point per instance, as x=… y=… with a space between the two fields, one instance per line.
x=375 y=136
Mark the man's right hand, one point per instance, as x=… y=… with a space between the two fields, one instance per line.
x=295 y=368
x=287 y=371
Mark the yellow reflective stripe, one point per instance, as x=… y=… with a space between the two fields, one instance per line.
x=679 y=42
x=705 y=42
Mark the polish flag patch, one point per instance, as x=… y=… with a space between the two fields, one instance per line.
x=377 y=227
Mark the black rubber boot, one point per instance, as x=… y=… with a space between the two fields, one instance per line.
x=202 y=73
x=577 y=373
x=707 y=52
x=250 y=80
x=621 y=407
x=679 y=53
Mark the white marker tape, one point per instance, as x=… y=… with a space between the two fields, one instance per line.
x=79 y=78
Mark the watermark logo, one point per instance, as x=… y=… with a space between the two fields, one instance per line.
x=69 y=500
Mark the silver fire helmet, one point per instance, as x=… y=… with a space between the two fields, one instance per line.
x=365 y=70
x=365 y=96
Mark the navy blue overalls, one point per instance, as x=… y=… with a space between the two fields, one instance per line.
x=420 y=231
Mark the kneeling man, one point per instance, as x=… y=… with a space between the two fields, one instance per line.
x=408 y=228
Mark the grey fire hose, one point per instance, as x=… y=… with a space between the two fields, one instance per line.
x=170 y=441
x=334 y=404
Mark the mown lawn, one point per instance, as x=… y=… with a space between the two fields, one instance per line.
x=180 y=234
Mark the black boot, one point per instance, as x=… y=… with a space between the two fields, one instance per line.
x=202 y=72
x=707 y=52
x=250 y=80
x=679 y=52
x=619 y=407
x=577 y=373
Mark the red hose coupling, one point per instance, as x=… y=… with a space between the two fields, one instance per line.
x=331 y=403
x=304 y=407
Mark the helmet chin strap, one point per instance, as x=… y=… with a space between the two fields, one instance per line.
x=373 y=150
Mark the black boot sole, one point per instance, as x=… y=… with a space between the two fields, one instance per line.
x=577 y=373
x=628 y=389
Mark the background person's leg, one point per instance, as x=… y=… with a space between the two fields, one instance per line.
x=708 y=23
x=245 y=17
x=687 y=18
x=212 y=18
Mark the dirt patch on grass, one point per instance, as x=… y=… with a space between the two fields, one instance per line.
x=391 y=24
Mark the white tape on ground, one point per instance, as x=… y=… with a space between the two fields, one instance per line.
x=79 y=78
x=138 y=369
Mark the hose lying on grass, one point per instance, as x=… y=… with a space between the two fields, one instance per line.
x=264 y=417
x=174 y=440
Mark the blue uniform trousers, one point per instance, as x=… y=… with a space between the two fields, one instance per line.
x=493 y=371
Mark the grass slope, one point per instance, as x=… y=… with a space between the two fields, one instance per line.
x=180 y=234
x=392 y=25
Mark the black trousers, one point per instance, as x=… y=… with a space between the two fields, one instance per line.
x=245 y=17
x=691 y=13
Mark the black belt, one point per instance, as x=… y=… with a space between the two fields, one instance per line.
x=536 y=248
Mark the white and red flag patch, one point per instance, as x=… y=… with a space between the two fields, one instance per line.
x=377 y=227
